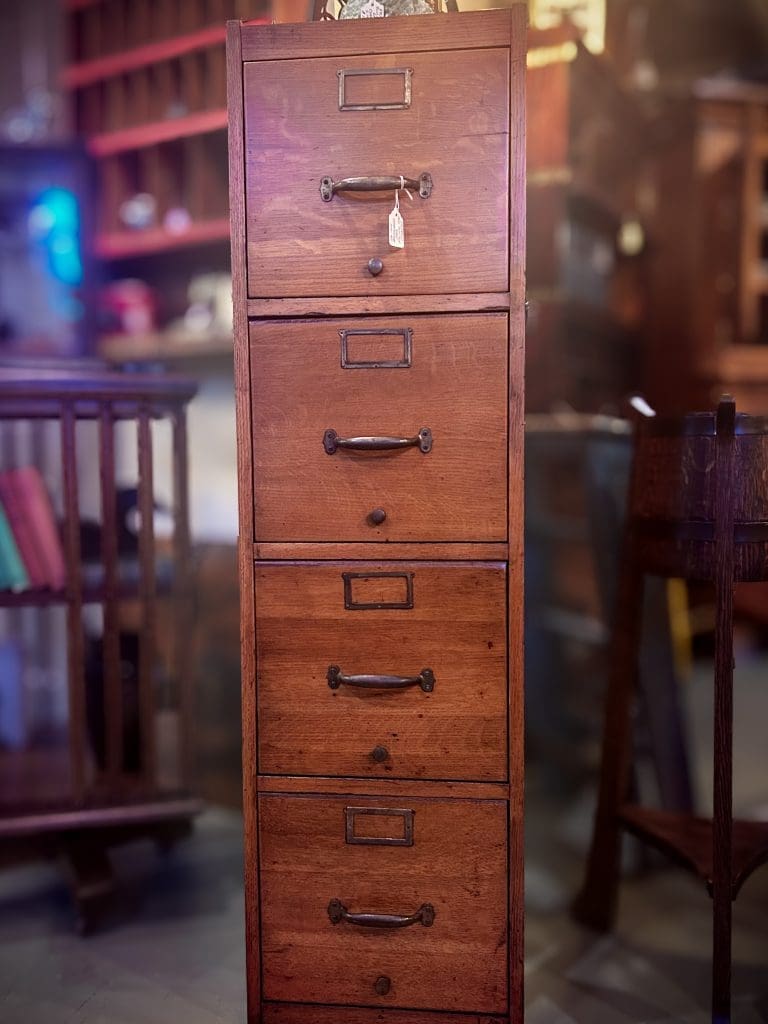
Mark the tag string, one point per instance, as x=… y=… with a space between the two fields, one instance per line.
x=404 y=189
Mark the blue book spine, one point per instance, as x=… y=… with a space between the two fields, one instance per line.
x=13 y=575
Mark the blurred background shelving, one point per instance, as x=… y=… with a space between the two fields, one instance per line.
x=146 y=85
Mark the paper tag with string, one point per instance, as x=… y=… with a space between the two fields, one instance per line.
x=396 y=226
x=372 y=9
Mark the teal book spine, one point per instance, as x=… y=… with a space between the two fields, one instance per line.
x=13 y=575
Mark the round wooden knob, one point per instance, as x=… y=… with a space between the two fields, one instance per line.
x=378 y=516
x=382 y=985
x=379 y=754
x=375 y=266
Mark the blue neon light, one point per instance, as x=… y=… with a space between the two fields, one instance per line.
x=54 y=221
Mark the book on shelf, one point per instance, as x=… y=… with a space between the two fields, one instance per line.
x=13 y=726
x=30 y=514
x=13 y=575
x=21 y=526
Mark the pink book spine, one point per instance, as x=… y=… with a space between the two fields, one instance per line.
x=29 y=483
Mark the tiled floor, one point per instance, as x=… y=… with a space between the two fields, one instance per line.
x=174 y=955
x=654 y=967
x=176 y=952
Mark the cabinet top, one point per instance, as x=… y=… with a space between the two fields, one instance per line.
x=453 y=31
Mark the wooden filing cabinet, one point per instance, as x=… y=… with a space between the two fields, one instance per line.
x=379 y=406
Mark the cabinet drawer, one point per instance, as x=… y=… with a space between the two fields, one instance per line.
x=455 y=127
x=314 y=641
x=454 y=862
x=450 y=379
x=286 y=1013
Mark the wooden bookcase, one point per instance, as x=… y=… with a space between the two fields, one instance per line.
x=147 y=84
x=101 y=749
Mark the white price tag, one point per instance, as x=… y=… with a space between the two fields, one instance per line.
x=372 y=9
x=396 y=226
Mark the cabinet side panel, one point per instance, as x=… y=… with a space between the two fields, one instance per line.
x=517 y=205
x=245 y=492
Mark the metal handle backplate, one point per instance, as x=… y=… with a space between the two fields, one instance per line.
x=332 y=442
x=376 y=183
x=425 y=679
x=425 y=916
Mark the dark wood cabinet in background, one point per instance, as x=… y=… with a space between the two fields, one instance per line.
x=379 y=400
x=586 y=139
x=708 y=319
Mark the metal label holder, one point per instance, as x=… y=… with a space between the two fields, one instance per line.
x=351 y=813
x=346 y=73
x=377 y=364
x=352 y=605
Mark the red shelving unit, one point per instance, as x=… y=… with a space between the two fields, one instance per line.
x=120 y=245
x=124 y=140
x=147 y=82
x=76 y=76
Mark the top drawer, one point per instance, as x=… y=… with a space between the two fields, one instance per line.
x=441 y=113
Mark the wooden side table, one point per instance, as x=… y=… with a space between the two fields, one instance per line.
x=698 y=506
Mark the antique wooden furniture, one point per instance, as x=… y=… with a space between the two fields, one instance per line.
x=102 y=750
x=708 y=319
x=379 y=401
x=577 y=470
x=585 y=163
x=697 y=510
x=146 y=82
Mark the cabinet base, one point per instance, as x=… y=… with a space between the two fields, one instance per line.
x=291 y=1013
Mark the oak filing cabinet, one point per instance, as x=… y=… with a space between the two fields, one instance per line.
x=379 y=406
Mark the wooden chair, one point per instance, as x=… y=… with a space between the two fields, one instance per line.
x=697 y=509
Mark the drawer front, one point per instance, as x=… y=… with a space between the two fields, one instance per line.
x=316 y=646
x=310 y=378
x=285 y=1013
x=455 y=127
x=311 y=877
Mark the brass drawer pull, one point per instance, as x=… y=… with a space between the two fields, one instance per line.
x=425 y=915
x=382 y=183
x=332 y=441
x=425 y=679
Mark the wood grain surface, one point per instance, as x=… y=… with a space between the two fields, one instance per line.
x=457 y=863
x=380 y=305
x=456 y=128
x=327 y=786
x=370 y=551
x=282 y=1013
x=421 y=32
x=456 y=386
x=516 y=472
x=242 y=371
x=456 y=628
x=459 y=285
